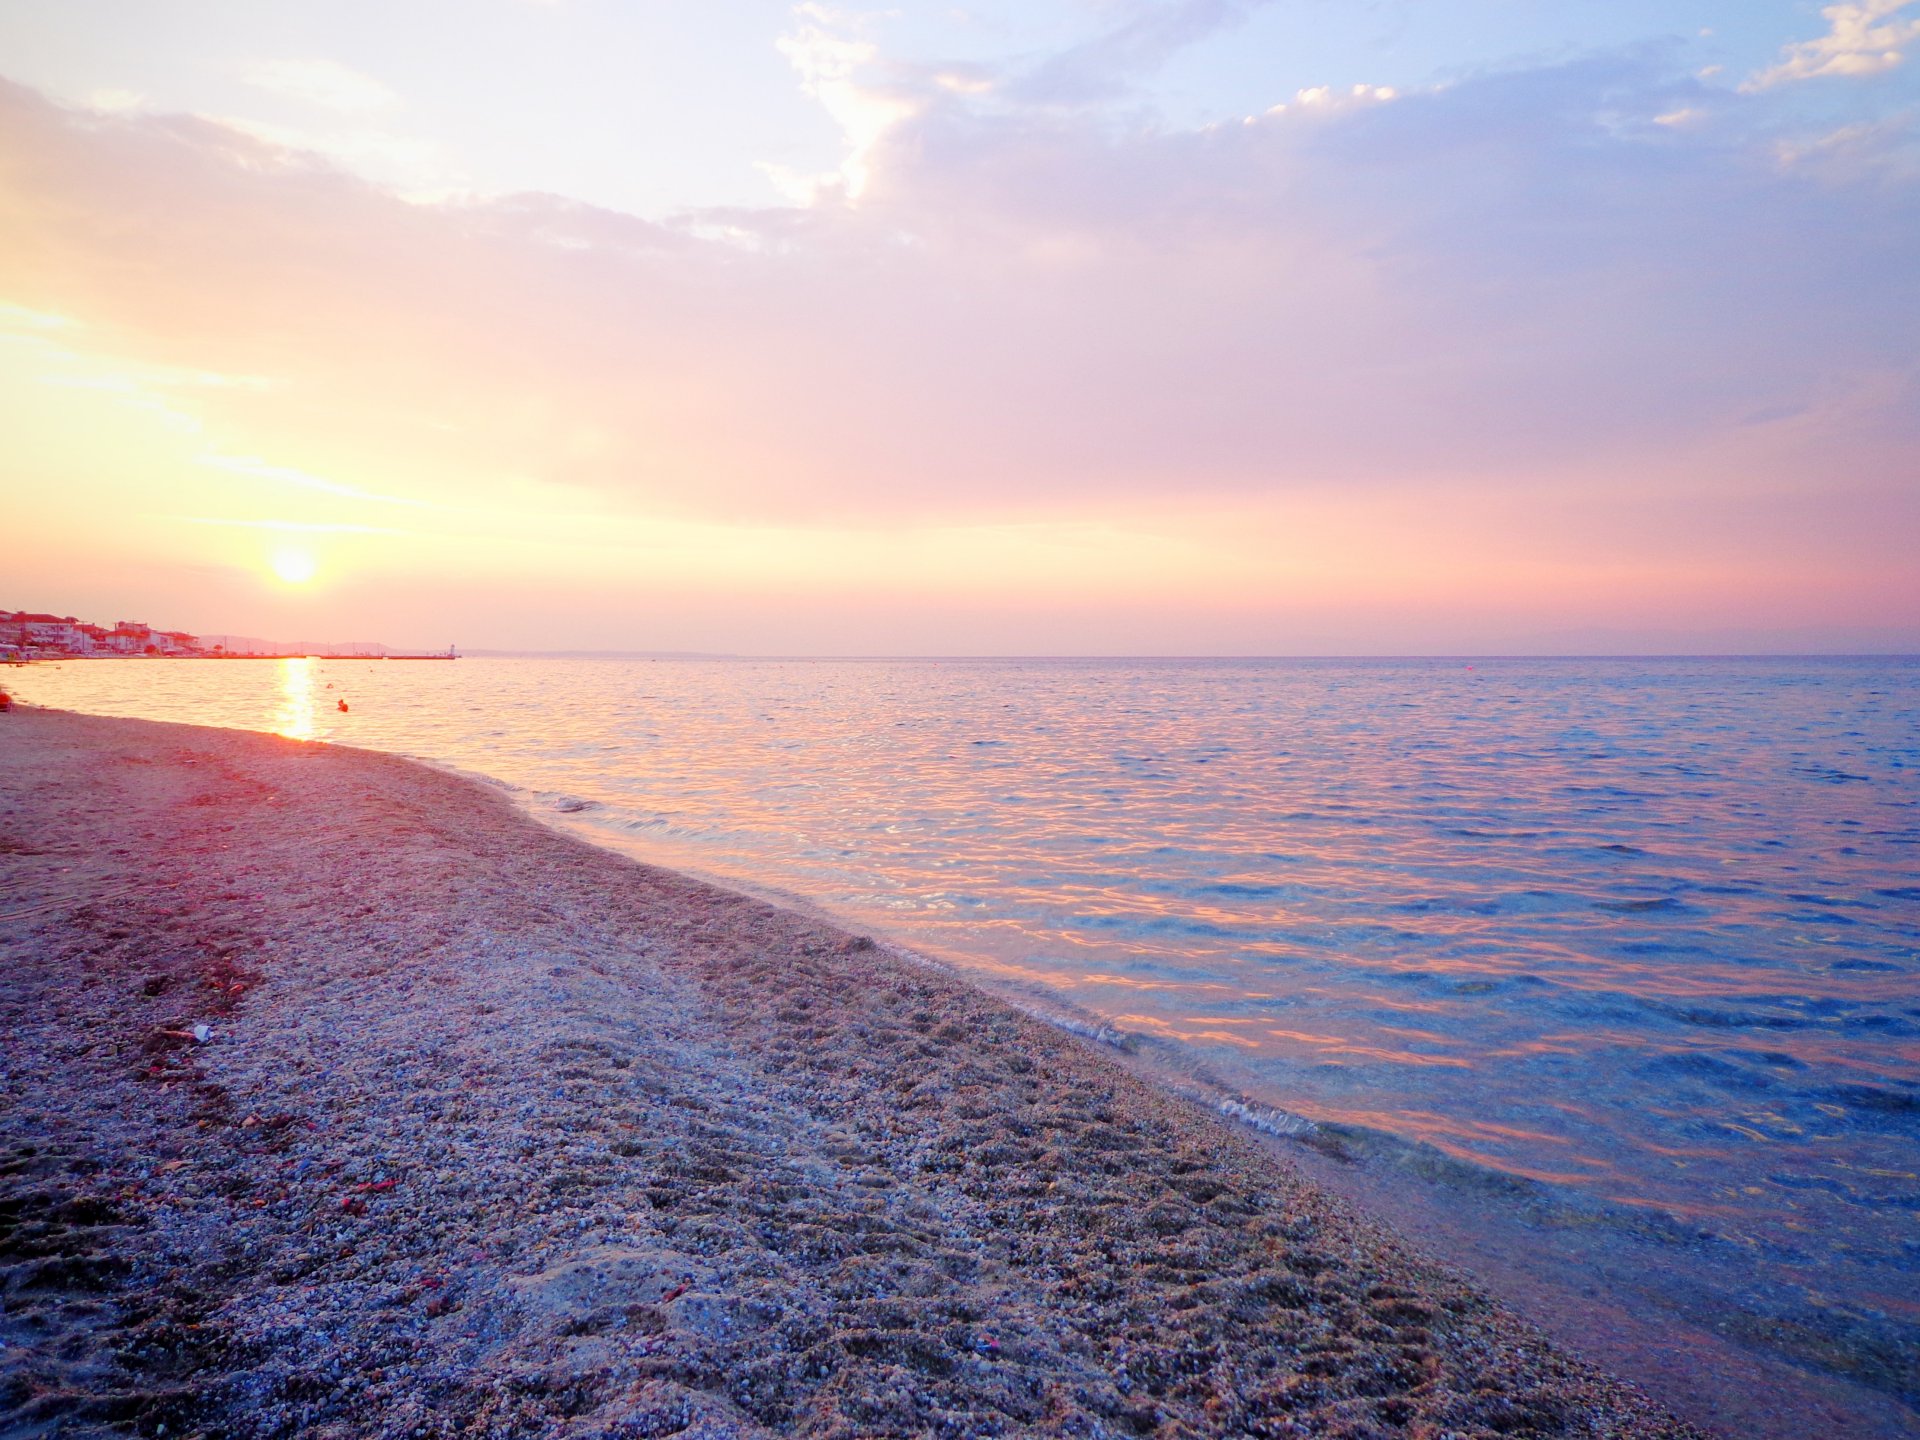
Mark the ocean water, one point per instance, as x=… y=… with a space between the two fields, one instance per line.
x=1632 y=943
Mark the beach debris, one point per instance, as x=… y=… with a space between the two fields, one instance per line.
x=676 y=1292
x=373 y=1187
x=353 y=1205
x=202 y=1034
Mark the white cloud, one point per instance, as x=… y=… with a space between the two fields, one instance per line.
x=254 y=466
x=361 y=150
x=19 y=315
x=322 y=82
x=958 y=81
x=115 y=101
x=1325 y=97
x=128 y=390
x=148 y=388
x=302 y=527
x=1853 y=151
x=1863 y=38
x=828 y=62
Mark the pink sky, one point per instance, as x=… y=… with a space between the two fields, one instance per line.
x=1596 y=354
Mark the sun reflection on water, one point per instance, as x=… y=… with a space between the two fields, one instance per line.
x=295 y=716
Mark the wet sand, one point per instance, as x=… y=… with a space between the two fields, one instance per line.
x=495 y=1133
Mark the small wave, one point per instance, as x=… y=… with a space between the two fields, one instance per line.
x=1193 y=1084
x=1829 y=776
x=1242 y=891
x=1822 y=1017
x=1875 y=1097
x=1714 y=1068
x=1267 y=1119
x=1724 y=1019
x=1097 y=1031
x=1902 y=1200
x=1665 y=904
x=1830 y=901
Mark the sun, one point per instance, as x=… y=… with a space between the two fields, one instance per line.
x=294 y=567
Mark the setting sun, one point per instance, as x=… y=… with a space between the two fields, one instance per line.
x=294 y=567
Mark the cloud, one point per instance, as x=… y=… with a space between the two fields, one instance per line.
x=1863 y=38
x=1326 y=97
x=1108 y=65
x=113 y=98
x=1495 y=288
x=829 y=55
x=358 y=149
x=348 y=132
x=19 y=317
x=325 y=83
x=255 y=467
x=303 y=527
x=1855 y=152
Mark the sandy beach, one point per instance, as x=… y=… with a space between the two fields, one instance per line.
x=341 y=1099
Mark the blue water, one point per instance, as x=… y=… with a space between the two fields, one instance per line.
x=1643 y=935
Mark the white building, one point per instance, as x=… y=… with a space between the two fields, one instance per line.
x=33 y=631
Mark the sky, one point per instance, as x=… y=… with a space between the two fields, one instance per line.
x=1195 y=327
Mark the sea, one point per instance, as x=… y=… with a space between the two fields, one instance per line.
x=1625 y=951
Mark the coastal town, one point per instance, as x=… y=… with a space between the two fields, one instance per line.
x=28 y=635
x=31 y=635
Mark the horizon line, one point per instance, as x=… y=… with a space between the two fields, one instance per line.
x=506 y=653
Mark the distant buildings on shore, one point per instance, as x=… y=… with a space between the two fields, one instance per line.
x=29 y=635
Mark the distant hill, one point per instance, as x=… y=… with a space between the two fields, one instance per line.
x=257 y=645
x=604 y=654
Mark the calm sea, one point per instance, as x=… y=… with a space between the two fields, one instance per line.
x=1635 y=941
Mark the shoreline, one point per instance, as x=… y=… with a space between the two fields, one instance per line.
x=784 y=1180
x=1691 y=1343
